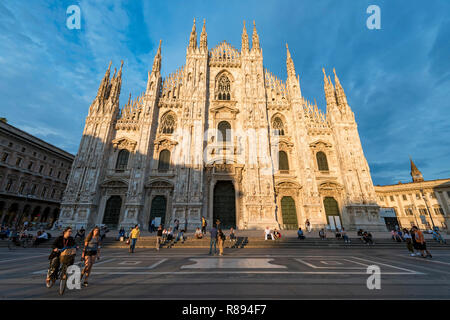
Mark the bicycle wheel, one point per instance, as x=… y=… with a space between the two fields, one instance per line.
x=62 y=286
x=51 y=283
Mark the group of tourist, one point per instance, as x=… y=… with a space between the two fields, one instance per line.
x=414 y=239
x=217 y=238
x=399 y=235
x=415 y=242
x=13 y=234
x=90 y=253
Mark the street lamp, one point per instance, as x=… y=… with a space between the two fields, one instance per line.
x=426 y=204
x=414 y=213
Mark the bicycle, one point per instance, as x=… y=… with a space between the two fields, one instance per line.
x=65 y=259
x=16 y=241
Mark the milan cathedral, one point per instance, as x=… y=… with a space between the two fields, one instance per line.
x=223 y=138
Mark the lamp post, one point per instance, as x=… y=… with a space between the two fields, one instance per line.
x=414 y=213
x=426 y=204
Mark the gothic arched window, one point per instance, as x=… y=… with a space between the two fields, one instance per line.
x=278 y=126
x=122 y=159
x=322 y=162
x=168 y=123
x=283 y=163
x=164 y=160
x=223 y=88
x=224 y=131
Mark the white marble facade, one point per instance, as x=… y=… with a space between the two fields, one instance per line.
x=221 y=135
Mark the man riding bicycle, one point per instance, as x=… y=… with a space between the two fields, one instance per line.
x=57 y=257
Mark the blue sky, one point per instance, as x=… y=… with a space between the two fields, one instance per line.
x=397 y=79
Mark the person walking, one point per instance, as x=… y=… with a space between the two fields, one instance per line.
x=177 y=225
x=213 y=241
x=422 y=245
x=91 y=252
x=152 y=225
x=345 y=236
x=159 y=233
x=414 y=242
x=409 y=243
x=204 y=224
x=308 y=225
x=134 y=235
x=221 y=239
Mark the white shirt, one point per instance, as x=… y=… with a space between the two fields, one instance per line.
x=267 y=231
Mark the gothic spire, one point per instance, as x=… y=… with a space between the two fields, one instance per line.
x=255 y=38
x=157 y=61
x=244 y=47
x=204 y=37
x=116 y=84
x=289 y=64
x=108 y=72
x=340 y=94
x=102 y=89
x=193 y=38
x=329 y=91
x=415 y=173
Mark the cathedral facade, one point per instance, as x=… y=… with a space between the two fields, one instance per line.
x=225 y=139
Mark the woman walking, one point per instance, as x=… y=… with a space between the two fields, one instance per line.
x=134 y=235
x=421 y=243
x=159 y=234
x=409 y=243
x=221 y=240
x=91 y=251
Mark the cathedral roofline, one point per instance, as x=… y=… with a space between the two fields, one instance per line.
x=412 y=183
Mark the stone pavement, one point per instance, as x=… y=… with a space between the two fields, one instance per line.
x=239 y=274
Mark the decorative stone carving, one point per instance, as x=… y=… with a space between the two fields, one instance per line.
x=124 y=143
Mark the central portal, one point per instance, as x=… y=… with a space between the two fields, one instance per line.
x=224 y=207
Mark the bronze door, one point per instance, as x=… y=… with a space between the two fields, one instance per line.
x=224 y=207
x=289 y=213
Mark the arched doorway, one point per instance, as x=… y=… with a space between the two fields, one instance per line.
x=224 y=207
x=332 y=211
x=25 y=213
x=45 y=215
x=36 y=214
x=112 y=211
x=11 y=214
x=54 y=216
x=2 y=212
x=289 y=213
x=158 y=211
